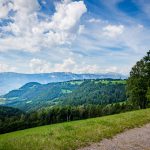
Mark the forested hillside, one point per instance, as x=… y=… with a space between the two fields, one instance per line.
x=33 y=96
x=97 y=92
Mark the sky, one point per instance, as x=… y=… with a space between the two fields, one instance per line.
x=89 y=36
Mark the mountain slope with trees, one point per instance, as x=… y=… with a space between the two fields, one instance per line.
x=33 y=96
x=11 y=80
x=97 y=92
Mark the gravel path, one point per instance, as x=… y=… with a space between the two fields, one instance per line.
x=133 y=139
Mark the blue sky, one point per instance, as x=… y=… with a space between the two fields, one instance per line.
x=90 y=36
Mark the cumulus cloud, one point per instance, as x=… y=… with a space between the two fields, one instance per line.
x=63 y=41
x=26 y=7
x=5 y=7
x=4 y=11
x=38 y=65
x=67 y=15
x=113 y=30
x=68 y=65
x=27 y=32
x=107 y=44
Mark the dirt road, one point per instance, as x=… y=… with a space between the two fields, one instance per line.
x=134 y=139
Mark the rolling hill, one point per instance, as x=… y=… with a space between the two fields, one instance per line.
x=10 y=80
x=34 y=95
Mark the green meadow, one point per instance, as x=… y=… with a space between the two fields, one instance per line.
x=73 y=135
x=112 y=82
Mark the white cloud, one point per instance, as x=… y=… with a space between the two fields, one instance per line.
x=29 y=33
x=113 y=30
x=26 y=7
x=6 y=68
x=111 y=49
x=61 y=42
x=4 y=12
x=38 y=65
x=5 y=7
x=93 y=20
x=140 y=26
x=71 y=65
x=43 y=2
x=81 y=29
x=67 y=15
x=3 y=67
x=68 y=65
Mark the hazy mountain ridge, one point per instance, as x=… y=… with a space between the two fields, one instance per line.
x=11 y=80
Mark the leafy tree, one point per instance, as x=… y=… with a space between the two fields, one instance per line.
x=148 y=95
x=139 y=82
x=59 y=114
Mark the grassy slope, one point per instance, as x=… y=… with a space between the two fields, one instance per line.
x=72 y=135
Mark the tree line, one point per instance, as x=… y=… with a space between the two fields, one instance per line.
x=59 y=114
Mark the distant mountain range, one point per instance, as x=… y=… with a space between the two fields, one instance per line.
x=10 y=80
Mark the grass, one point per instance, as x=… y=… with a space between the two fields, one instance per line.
x=2 y=100
x=105 y=81
x=112 y=82
x=73 y=135
x=64 y=91
x=78 y=82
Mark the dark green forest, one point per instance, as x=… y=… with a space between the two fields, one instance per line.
x=59 y=114
x=97 y=92
x=8 y=112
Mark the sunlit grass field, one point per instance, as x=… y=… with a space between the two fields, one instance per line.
x=73 y=135
x=112 y=82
